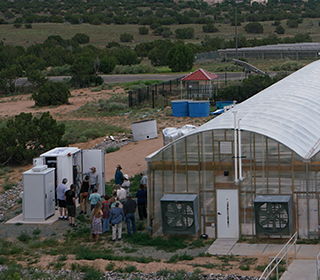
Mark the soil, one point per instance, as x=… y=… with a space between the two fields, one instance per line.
x=132 y=158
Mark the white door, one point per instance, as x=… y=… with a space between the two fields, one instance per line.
x=95 y=158
x=227 y=213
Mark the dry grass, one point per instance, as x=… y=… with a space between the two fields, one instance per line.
x=100 y=35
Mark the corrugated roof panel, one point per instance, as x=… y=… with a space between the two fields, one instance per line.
x=288 y=111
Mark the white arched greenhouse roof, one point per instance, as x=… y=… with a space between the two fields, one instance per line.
x=288 y=111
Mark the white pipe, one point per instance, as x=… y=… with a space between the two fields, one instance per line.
x=236 y=180
x=240 y=152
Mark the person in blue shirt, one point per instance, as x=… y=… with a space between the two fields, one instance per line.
x=116 y=218
x=142 y=202
x=118 y=176
x=94 y=198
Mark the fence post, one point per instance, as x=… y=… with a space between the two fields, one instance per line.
x=152 y=99
x=139 y=96
x=130 y=99
x=155 y=89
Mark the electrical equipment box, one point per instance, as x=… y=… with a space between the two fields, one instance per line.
x=180 y=213
x=38 y=193
x=144 y=130
x=273 y=214
x=71 y=162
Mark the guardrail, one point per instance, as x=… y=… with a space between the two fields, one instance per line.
x=278 y=258
x=318 y=266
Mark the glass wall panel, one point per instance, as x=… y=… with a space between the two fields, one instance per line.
x=180 y=183
x=286 y=182
x=273 y=182
x=192 y=149
x=208 y=180
x=193 y=180
x=208 y=203
x=168 y=181
x=179 y=149
x=285 y=155
x=167 y=153
x=273 y=155
x=261 y=182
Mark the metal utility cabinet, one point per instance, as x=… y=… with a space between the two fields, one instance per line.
x=70 y=161
x=38 y=193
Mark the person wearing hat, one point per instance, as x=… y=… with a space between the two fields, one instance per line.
x=121 y=194
x=116 y=218
x=126 y=183
x=129 y=208
x=118 y=176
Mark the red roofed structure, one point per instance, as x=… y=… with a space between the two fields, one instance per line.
x=197 y=90
x=200 y=75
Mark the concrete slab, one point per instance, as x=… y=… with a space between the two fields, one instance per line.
x=243 y=249
x=308 y=251
x=222 y=246
x=300 y=270
x=273 y=249
x=49 y=221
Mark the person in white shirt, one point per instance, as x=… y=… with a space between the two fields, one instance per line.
x=93 y=178
x=126 y=183
x=61 y=189
x=121 y=194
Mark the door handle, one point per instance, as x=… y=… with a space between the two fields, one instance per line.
x=219 y=213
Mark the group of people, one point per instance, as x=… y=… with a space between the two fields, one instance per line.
x=111 y=211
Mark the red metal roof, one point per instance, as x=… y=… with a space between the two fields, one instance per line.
x=200 y=75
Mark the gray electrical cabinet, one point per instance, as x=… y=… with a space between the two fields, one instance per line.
x=180 y=213
x=38 y=193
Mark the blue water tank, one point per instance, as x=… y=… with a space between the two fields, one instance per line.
x=199 y=109
x=180 y=108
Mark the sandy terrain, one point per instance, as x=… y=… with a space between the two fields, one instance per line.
x=131 y=157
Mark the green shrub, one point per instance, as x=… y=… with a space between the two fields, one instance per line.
x=112 y=149
x=24 y=237
x=59 y=70
x=254 y=28
x=28 y=25
x=209 y=28
x=81 y=38
x=36 y=231
x=52 y=93
x=8 y=186
x=244 y=267
x=143 y=30
x=130 y=269
x=92 y=274
x=164 y=272
x=110 y=266
x=126 y=37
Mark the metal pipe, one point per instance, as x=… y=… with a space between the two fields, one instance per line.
x=240 y=152
x=307 y=194
x=236 y=180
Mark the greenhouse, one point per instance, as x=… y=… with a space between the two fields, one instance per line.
x=251 y=171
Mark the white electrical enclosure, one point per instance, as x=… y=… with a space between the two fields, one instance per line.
x=70 y=162
x=38 y=193
x=95 y=158
x=144 y=130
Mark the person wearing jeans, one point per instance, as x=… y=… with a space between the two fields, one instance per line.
x=106 y=213
x=116 y=218
x=129 y=208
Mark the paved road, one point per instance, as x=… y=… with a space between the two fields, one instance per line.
x=125 y=78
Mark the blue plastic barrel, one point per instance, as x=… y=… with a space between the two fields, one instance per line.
x=199 y=109
x=180 y=108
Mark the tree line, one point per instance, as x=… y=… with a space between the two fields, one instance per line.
x=164 y=12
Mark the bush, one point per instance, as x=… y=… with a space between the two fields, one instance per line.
x=254 y=28
x=52 y=93
x=17 y=24
x=126 y=37
x=279 y=29
x=184 y=33
x=81 y=38
x=209 y=28
x=291 y=23
x=107 y=64
x=28 y=25
x=143 y=30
